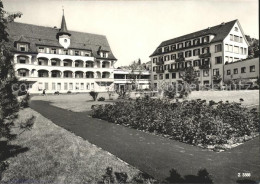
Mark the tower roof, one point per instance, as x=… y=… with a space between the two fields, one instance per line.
x=63 y=27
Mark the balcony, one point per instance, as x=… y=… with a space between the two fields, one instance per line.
x=204 y=66
x=159 y=71
x=205 y=55
x=180 y=59
x=173 y=70
x=159 y=62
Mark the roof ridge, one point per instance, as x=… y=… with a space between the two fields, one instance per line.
x=57 y=28
x=196 y=31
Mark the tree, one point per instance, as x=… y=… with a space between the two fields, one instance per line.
x=253 y=49
x=9 y=106
x=189 y=77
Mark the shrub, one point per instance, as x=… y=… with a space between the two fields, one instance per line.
x=195 y=122
x=56 y=93
x=69 y=92
x=93 y=94
x=101 y=99
x=25 y=101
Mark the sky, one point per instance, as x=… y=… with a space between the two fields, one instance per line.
x=135 y=28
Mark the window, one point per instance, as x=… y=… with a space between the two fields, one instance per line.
x=82 y=86
x=88 y=86
x=218 y=48
x=236 y=38
x=196 y=41
x=103 y=65
x=65 y=86
x=205 y=50
x=53 y=86
x=252 y=68
x=218 y=60
x=241 y=50
x=180 y=55
x=231 y=60
x=196 y=52
x=53 y=51
x=196 y=62
x=22 y=60
x=154 y=68
x=226 y=47
x=77 y=86
x=215 y=72
x=197 y=73
x=23 y=47
x=180 y=45
x=160 y=50
x=173 y=56
x=226 y=59
x=22 y=73
x=180 y=75
x=188 y=43
x=240 y=39
x=92 y=85
x=236 y=29
x=40 y=86
x=205 y=73
x=70 y=86
x=41 y=49
x=166 y=58
x=236 y=49
x=243 y=70
x=245 y=51
x=161 y=76
x=173 y=47
x=235 y=71
x=58 y=86
x=154 y=60
x=188 y=53
x=66 y=52
x=173 y=75
x=167 y=76
x=205 y=39
x=155 y=77
x=76 y=53
x=166 y=49
x=230 y=48
x=46 y=85
x=231 y=37
x=228 y=72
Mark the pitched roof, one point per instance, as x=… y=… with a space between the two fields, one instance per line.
x=220 y=32
x=40 y=35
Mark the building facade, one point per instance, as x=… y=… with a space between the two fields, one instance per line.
x=134 y=80
x=247 y=70
x=61 y=60
x=206 y=51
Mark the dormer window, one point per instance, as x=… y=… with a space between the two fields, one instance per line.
x=41 y=49
x=76 y=53
x=87 y=54
x=173 y=47
x=166 y=49
x=236 y=29
x=205 y=39
x=188 y=43
x=53 y=51
x=22 y=47
x=180 y=45
x=196 y=41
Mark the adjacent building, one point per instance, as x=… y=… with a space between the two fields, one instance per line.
x=61 y=60
x=207 y=50
x=246 y=70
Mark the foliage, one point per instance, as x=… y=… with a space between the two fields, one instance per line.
x=69 y=92
x=202 y=177
x=101 y=99
x=93 y=94
x=25 y=101
x=195 y=122
x=56 y=93
x=253 y=49
x=217 y=79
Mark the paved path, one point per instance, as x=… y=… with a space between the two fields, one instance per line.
x=156 y=155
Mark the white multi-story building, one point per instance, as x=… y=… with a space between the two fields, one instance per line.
x=207 y=51
x=138 y=79
x=61 y=60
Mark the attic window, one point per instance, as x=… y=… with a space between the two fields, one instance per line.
x=41 y=49
x=22 y=47
x=236 y=29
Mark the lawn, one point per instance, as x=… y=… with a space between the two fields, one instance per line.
x=83 y=102
x=55 y=155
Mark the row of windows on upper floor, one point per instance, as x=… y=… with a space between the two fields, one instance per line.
x=204 y=50
x=236 y=38
x=68 y=63
x=66 y=86
x=242 y=70
x=185 y=44
x=24 y=47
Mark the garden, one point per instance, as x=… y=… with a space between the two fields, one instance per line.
x=213 y=125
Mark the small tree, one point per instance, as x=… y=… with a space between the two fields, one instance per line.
x=189 y=78
x=94 y=95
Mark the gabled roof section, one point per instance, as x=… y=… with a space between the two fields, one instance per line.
x=220 y=31
x=46 y=36
x=22 y=39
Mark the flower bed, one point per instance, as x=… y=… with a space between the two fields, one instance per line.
x=195 y=122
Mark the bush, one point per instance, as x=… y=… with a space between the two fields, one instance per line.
x=56 y=93
x=94 y=95
x=101 y=99
x=25 y=101
x=195 y=122
x=69 y=92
